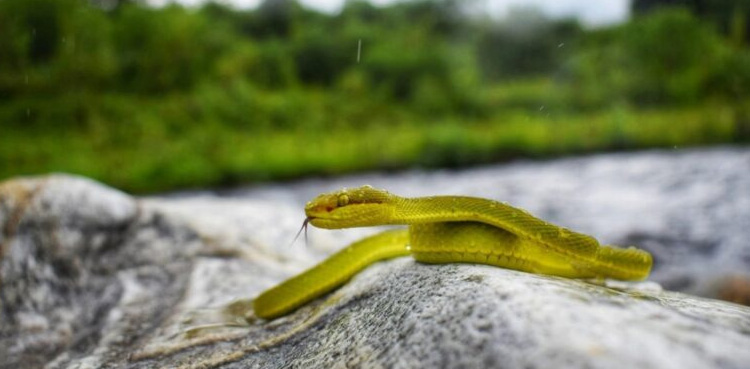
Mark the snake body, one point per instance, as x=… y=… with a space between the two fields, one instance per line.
x=446 y=229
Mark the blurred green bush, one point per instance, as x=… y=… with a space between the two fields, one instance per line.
x=159 y=98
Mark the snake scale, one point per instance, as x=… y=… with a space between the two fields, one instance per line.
x=446 y=229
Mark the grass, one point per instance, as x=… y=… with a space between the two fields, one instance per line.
x=239 y=135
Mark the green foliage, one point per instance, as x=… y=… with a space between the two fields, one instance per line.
x=165 y=50
x=319 y=58
x=665 y=57
x=52 y=46
x=672 y=68
x=159 y=98
x=730 y=17
x=526 y=44
x=733 y=76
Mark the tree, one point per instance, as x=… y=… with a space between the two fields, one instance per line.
x=730 y=16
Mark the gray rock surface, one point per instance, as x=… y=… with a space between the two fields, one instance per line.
x=93 y=278
x=79 y=261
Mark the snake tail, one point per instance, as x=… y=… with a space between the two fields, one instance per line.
x=331 y=273
x=630 y=264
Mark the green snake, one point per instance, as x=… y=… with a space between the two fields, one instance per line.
x=446 y=229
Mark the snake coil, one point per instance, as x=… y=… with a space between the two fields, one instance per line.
x=446 y=229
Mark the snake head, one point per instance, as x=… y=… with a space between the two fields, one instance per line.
x=356 y=207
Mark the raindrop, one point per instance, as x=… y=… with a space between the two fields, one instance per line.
x=561 y=44
x=359 y=49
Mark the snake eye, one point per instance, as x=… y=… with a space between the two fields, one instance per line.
x=343 y=200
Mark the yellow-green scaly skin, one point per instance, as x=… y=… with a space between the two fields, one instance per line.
x=446 y=229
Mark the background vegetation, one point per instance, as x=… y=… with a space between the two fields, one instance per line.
x=152 y=99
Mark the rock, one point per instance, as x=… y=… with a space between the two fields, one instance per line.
x=83 y=266
x=402 y=314
x=93 y=278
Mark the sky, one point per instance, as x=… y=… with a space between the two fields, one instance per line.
x=589 y=12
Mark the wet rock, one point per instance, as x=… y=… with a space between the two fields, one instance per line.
x=94 y=278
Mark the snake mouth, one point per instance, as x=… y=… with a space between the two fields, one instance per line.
x=314 y=212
